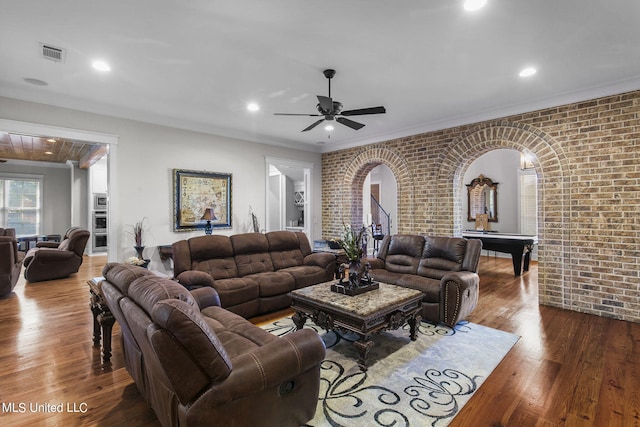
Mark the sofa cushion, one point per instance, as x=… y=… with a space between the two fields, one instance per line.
x=306 y=275
x=213 y=255
x=122 y=275
x=285 y=249
x=236 y=334
x=429 y=287
x=404 y=254
x=194 y=333
x=237 y=290
x=147 y=290
x=442 y=255
x=251 y=253
x=272 y=283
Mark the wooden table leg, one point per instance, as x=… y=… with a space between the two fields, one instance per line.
x=363 y=346
x=95 y=310
x=106 y=320
x=299 y=320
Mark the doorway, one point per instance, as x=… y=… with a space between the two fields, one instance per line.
x=288 y=195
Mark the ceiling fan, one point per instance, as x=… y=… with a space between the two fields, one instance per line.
x=330 y=109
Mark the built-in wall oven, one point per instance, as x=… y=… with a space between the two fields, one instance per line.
x=99 y=223
x=99 y=242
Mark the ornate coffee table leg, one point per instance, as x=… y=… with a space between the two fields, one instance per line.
x=363 y=346
x=95 y=310
x=106 y=320
x=299 y=319
x=413 y=323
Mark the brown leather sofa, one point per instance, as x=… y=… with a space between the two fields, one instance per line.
x=56 y=263
x=10 y=261
x=198 y=364
x=445 y=269
x=252 y=272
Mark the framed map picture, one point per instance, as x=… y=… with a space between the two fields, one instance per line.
x=194 y=192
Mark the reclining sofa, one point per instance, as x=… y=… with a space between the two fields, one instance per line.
x=443 y=268
x=251 y=272
x=10 y=261
x=197 y=364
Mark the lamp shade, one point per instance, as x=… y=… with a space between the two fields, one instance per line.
x=208 y=215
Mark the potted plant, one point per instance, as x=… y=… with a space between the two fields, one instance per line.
x=352 y=242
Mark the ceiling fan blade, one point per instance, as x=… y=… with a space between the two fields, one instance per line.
x=326 y=103
x=363 y=111
x=294 y=114
x=350 y=123
x=312 y=125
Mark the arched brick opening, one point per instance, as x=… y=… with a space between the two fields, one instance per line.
x=554 y=278
x=355 y=175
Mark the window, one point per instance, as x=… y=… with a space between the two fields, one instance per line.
x=20 y=203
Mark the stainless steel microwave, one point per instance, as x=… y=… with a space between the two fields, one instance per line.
x=99 y=202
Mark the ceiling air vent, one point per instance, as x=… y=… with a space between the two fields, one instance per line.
x=53 y=53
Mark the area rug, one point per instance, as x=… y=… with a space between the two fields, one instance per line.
x=408 y=383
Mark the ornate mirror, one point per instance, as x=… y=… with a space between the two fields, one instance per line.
x=482 y=196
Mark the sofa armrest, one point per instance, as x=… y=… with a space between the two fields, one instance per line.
x=270 y=366
x=320 y=259
x=206 y=296
x=375 y=263
x=47 y=244
x=192 y=279
x=459 y=290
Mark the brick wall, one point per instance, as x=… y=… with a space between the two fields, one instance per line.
x=587 y=157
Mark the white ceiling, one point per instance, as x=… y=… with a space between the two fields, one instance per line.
x=196 y=64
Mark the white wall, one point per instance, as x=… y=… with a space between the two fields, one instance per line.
x=146 y=155
x=501 y=166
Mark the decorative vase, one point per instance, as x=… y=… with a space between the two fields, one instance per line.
x=139 y=250
x=355 y=272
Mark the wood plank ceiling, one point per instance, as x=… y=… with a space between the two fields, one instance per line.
x=43 y=149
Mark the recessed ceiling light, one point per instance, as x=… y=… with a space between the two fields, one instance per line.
x=471 y=5
x=328 y=128
x=252 y=106
x=48 y=152
x=51 y=140
x=101 y=66
x=36 y=82
x=527 y=72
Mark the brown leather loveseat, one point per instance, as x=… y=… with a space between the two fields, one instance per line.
x=10 y=261
x=252 y=272
x=198 y=364
x=445 y=269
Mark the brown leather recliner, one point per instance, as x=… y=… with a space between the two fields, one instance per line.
x=56 y=263
x=10 y=261
x=48 y=244
x=197 y=364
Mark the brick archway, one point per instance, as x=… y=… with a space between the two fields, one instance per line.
x=551 y=166
x=355 y=175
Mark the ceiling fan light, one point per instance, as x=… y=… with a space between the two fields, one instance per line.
x=328 y=128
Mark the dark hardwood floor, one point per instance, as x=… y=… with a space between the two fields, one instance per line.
x=568 y=369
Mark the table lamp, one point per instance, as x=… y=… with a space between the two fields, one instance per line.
x=208 y=216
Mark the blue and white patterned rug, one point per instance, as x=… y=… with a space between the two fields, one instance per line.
x=409 y=383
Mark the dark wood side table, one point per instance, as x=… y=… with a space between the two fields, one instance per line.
x=103 y=320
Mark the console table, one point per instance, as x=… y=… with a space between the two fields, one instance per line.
x=103 y=320
x=514 y=244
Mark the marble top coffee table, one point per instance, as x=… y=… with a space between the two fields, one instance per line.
x=388 y=307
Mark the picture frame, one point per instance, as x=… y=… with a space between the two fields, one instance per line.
x=195 y=191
